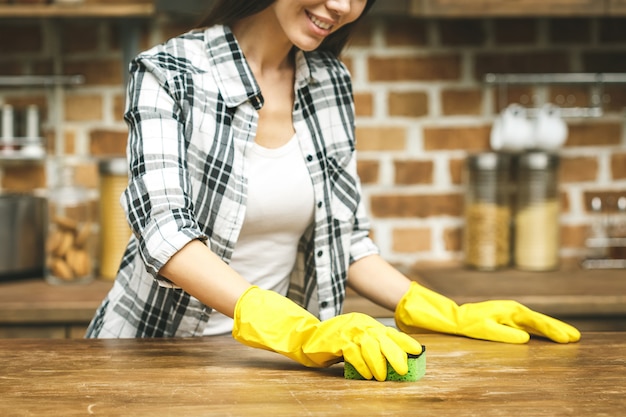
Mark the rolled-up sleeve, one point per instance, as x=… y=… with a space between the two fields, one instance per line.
x=157 y=200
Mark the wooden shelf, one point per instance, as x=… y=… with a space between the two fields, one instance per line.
x=76 y=10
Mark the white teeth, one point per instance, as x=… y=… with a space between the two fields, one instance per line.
x=320 y=24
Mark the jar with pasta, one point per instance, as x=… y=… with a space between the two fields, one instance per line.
x=114 y=229
x=537 y=212
x=487 y=233
x=70 y=238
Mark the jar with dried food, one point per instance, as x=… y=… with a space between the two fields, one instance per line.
x=114 y=229
x=70 y=240
x=487 y=234
x=537 y=212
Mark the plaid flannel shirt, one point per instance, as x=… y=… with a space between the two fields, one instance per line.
x=192 y=115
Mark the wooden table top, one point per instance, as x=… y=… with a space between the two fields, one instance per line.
x=220 y=377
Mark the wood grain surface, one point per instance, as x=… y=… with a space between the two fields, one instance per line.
x=219 y=377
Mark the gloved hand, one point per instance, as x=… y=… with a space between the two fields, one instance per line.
x=501 y=321
x=267 y=320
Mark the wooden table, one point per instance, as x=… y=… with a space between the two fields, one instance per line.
x=219 y=377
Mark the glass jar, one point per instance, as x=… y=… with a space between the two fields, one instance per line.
x=537 y=212
x=70 y=238
x=114 y=229
x=487 y=235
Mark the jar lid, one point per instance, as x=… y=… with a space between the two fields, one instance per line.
x=538 y=160
x=113 y=166
x=489 y=161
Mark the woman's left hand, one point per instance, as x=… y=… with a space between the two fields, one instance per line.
x=499 y=320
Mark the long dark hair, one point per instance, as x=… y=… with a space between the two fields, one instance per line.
x=227 y=12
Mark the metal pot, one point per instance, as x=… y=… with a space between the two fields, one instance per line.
x=22 y=235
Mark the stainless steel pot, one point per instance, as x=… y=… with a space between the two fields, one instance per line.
x=22 y=235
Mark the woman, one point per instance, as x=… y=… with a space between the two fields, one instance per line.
x=245 y=202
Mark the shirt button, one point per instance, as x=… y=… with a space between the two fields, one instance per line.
x=309 y=158
x=320 y=253
x=320 y=204
x=324 y=304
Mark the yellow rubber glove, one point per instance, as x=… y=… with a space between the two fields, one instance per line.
x=267 y=320
x=501 y=321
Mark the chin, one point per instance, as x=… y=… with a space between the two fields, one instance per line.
x=308 y=45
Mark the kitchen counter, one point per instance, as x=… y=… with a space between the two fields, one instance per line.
x=220 y=377
x=593 y=300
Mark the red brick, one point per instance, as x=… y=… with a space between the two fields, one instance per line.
x=564 y=200
x=362 y=34
x=97 y=72
x=469 y=138
x=429 y=68
x=456 y=167
x=412 y=104
x=80 y=107
x=107 y=142
x=573 y=237
x=79 y=36
x=119 y=103
x=23 y=38
x=453 y=239
x=409 y=240
x=380 y=138
x=462 y=102
x=11 y=68
x=594 y=134
x=87 y=175
x=578 y=169
x=612 y=30
x=515 y=31
x=603 y=62
x=368 y=171
x=405 y=32
x=618 y=166
x=570 y=30
x=462 y=32
x=363 y=104
x=413 y=172
x=407 y=206
x=23 y=178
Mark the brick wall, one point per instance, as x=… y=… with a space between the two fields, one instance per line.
x=421 y=105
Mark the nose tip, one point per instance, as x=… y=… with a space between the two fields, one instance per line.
x=339 y=6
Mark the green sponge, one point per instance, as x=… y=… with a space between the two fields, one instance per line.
x=417 y=369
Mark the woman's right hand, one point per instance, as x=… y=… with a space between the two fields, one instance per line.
x=267 y=320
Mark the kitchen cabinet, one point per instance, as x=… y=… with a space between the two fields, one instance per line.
x=500 y=8
x=617 y=7
x=78 y=10
x=483 y=8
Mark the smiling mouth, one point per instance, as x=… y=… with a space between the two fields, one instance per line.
x=319 y=23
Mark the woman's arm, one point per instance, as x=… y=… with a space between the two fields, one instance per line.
x=375 y=279
x=201 y=273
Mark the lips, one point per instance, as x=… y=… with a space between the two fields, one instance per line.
x=319 y=23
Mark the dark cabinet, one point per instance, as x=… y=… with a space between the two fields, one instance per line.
x=482 y=8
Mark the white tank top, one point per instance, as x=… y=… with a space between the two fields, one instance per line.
x=279 y=209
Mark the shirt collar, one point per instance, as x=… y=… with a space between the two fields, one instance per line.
x=233 y=74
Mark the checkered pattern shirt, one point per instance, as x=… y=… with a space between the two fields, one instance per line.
x=192 y=115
